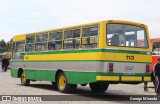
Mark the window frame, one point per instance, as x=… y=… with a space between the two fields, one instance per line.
x=21 y=54
x=30 y=43
x=72 y=39
x=41 y=42
x=61 y=31
x=145 y=33
x=96 y=37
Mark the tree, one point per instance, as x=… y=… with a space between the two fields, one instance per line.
x=3 y=46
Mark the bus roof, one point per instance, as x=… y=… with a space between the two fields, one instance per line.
x=22 y=37
x=19 y=37
x=154 y=39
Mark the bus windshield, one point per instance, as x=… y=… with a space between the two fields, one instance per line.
x=125 y=35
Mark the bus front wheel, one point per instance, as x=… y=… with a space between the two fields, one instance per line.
x=99 y=86
x=63 y=85
x=24 y=81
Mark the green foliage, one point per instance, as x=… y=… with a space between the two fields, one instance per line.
x=3 y=46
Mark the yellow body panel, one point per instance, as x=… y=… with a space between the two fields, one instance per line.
x=19 y=38
x=131 y=78
x=147 y=78
x=123 y=78
x=76 y=56
x=89 y=56
x=122 y=57
x=107 y=78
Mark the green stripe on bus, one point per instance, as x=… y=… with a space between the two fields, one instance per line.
x=14 y=73
x=87 y=51
x=72 y=76
x=77 y=61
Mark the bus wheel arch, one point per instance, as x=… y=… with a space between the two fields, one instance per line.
x=57 y=73
x=20 y=70
x=56 y=76
x=62 y=83
x=99 y=86
x=21 y=74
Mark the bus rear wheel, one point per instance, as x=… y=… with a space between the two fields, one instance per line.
x=24 y=81
x=63 y=85
x=99 y=86
x=54 y=84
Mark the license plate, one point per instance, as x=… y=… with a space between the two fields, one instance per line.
x=129 y=68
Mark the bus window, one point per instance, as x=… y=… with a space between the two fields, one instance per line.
x=19 y=49
x=30 y=43
x=90 y=37
x=72 y=39
x=55 y=41
x=126 y=35
x=156 y=48
x=41 y=42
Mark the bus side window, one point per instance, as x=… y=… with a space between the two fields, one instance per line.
x=156 y=48
x=18 y=51
x=41 y=42
x=153 y=47
x=90 y=37
x=30 y=43
x=55 y=41
x=72 y=39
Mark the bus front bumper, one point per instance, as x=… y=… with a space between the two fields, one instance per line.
x=124 y=78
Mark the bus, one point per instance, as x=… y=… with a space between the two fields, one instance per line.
x=98 y=54
x=155 y=42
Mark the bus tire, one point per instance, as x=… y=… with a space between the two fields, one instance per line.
x=74 y=87
x=54 y=84
x=24 y=81
x=63 y=85
x=99 y=86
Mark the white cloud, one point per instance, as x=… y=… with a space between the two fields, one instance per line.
x=37 y=13
x=33 y=23
x=6 y=35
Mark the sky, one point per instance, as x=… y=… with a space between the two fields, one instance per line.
x=25 y=16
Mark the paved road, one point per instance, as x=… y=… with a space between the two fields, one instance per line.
x=12 y=86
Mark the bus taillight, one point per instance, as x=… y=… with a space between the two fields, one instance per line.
x=110 y=67
x=147 y=68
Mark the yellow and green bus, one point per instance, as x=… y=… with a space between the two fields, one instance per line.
x=98 y=54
